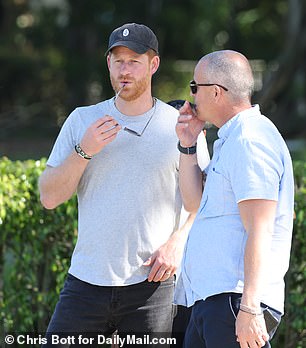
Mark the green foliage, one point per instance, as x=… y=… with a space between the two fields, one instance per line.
x=36 y=246
x=55 y=50
x=292 y=332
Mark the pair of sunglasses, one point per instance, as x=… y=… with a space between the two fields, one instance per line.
x=178 y=103
x=194 y=86
x=133 y=132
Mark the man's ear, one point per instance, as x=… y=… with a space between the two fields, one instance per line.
x=108 y=61
x=155 y=64
x=218 y=92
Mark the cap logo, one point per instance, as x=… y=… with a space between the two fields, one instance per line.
x=125 y=32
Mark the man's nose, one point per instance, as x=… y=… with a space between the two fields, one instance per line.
x=124 y=68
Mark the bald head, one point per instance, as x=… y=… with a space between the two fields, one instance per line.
x=230 y=69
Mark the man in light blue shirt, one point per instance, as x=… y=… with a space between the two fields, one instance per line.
x=238 y=249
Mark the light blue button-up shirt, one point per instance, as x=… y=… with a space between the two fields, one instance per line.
x=250 y=161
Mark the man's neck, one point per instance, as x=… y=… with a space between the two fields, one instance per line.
x=229 y=113
x=135 y=107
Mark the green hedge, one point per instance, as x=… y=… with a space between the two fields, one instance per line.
x=36 y=246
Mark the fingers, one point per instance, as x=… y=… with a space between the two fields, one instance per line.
x=183 y=123
x=251 y=331
x=100 y=121
x=184 y=119
x=188 y=124
x=100 y=133
x=107 y=127
x=251 y=343
x=186 y=114
x=187 y=109
x=167 y=274
x=159 y=272
x=148 y=262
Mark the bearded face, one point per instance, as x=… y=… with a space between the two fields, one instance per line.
x=130 y=72
x=133 y=87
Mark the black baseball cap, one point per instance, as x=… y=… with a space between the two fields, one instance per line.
x=137 y=37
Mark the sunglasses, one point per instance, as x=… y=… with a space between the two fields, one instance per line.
x=194 y=86
x=133 y=132
x=178 y=103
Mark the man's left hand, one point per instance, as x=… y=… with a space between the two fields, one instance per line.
x=251 y=330
x=164 y=262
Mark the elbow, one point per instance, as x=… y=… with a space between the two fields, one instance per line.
x=191 y=210
x=48 y=202
x=191 y=203
x=191 y=207
x=47 y=195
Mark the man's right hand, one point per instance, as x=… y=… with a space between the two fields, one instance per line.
x=99 y=134
x=188 y=126
x=58 y=184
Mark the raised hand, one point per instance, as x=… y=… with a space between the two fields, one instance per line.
x=188 y=126
x=99 y=134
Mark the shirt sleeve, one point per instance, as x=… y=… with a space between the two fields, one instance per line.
x=256 y=171
x=65 y=141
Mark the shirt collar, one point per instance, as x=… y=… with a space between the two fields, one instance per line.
x=225 y=130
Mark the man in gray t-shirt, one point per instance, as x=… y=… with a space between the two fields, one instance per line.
x=121 y=158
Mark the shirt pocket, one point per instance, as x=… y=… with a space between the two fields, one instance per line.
x=212 y=202
x=218 y=197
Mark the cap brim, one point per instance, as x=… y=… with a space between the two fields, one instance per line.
x=134 y=46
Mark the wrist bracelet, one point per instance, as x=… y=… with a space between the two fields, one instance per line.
x=81 y=153
x=187 y=150
x=250 y=310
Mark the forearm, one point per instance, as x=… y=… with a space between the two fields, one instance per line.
x=258 y=217
x=181 y=234
x=250 y=325
x=58 y=184
x=190 y=182
x=169 y=255
x=255 y=265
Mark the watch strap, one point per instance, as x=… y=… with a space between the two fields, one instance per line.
x=187 y=150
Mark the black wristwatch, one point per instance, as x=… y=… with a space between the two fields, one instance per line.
x=187 y=150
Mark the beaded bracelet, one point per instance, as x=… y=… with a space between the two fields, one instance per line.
x=81 y=153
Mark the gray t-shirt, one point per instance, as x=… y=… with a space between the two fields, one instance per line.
x=128 y=197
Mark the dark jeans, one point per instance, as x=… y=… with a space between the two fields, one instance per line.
x=140 y=309
x=212 y=322
x=180 y=323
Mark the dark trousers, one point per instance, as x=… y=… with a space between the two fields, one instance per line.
x=212 y=322
x=83 y=309
x=180 y=323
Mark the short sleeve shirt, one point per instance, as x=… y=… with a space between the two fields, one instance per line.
x=250 y=161
x=128 y=197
